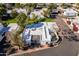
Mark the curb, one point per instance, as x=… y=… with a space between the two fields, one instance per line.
x=33 y=50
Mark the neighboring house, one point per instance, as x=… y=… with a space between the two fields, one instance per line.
x=13 y=27
x=9 y=11
x=20 y=10
x=6 y=16
x=41 y=33
x=37 y=13
x=41 y=5
x=70 y=13
x=3 y=30
x=9 y=5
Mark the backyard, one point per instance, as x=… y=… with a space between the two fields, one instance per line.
x=10 y=21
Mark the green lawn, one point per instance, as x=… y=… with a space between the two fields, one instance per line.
x=10 y=21
x=30 y=22
x=49 y=20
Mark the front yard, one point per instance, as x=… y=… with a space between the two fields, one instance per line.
x=30 y=21
x=10 y=21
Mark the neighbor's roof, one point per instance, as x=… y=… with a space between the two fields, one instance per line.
x=70 y=11
x=4 y=29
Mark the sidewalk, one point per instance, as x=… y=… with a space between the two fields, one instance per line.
x=29 y=51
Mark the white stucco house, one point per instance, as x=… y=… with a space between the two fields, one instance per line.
x=37 y=13
x=20 y=10
x=41 y=30
x=70 y=12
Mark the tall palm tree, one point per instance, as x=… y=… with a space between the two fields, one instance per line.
x=15 y=37
x=50 y=7
x=29 y=7
x=21 y=19
x=17 y=5
x=66 y=5
x=15 y=41
x=77 y=6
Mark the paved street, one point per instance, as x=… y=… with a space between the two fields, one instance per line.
x=66 y=48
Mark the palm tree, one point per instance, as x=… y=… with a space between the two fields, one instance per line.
x=21 y=19
x=34 y=19
x=16 y=41
x=45 y=13
x=14 y=14
x=66 y=5
x=29 y=7
x=17 y=5
x=50 y=7
x=15 y=38
x=77 y=6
